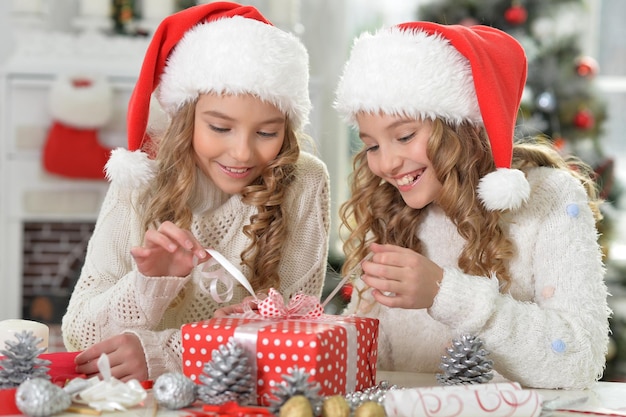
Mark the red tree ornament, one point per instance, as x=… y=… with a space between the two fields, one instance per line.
x=586 y=66
x=346 y=291
x=516 y=14
x=583 y=119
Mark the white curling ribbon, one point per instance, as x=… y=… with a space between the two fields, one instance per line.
x=218 y=276
x=109 y=394
x=494 y=399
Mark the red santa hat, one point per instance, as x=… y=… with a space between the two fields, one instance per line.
x=457 y=73
x=219 y=47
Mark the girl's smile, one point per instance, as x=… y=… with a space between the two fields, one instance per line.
x=235 y=137
x=397 y=153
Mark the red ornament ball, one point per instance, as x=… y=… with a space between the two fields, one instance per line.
x=586 y=66
x=584 y=119
x=346 y=291
x=516 y=14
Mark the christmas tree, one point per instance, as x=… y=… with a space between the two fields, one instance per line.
x=560 y=101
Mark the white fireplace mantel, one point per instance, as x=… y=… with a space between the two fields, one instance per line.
x=27 y=192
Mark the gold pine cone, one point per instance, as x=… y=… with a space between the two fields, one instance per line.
x=335 y=406
x=296 y=406
x=369 y=409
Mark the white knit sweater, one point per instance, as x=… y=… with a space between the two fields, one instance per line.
x=549 y=331
x=111 y=297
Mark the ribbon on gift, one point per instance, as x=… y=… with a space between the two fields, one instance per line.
x=496 y=399
x=216 y=276
x=301 y=306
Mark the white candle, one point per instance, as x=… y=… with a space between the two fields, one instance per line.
x=8 y=329
x=95 y=8
x=157 y=9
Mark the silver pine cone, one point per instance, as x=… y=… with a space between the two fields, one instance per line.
x=21 y=360
x=296 y=383
x=466 y=363
x=227 y=376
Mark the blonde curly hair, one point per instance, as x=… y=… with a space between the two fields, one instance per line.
x=170 y=197
x=460 y=156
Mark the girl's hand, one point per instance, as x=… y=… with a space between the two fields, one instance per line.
x=168 y=251
x=236 y=308
x=401 y=277
x=126 y=356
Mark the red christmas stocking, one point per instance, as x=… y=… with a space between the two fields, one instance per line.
x=79 y=106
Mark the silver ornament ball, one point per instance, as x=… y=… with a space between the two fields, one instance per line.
x=174 y=391
x=39 y=397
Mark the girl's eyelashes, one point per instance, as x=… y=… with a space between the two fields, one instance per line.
x=407 y=137
x=371 y=148
x=219 y=129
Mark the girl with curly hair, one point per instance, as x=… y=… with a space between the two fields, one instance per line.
x=226 y=173
x=457 y=229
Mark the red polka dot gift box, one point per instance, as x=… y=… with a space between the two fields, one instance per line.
x=338 y=352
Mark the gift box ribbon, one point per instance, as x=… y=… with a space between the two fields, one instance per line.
x=270 y=309
x=215 y=277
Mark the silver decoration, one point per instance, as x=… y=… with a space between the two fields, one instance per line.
x=39 y=397
x=174 y=391
x=296 y=382
x=375 y=393
x=466 y=362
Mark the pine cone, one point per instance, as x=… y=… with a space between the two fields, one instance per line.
x=293 y=384
x=227 y=377
x=21 y=361
x=466 y=363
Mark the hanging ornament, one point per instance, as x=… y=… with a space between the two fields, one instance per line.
x=516 y=14
x=174 y=391
x=546 y=102
x=346 y=291
x=39 y=397
x=586 y=66
x=583 y=119
x=296 y=383
x=227 y=376
x=466 y=363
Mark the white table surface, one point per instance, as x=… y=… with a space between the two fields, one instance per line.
x=605 y=398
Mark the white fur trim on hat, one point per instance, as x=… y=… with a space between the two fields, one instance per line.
x=504 y=189
x=237 y=55
x=81 y=101
x=131 y=169
x=408 y=73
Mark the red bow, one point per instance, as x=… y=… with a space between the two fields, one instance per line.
x=301 y=306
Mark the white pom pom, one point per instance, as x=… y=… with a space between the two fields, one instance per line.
x=131 y=169
x=504 y=189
